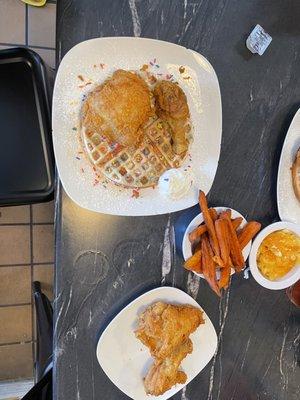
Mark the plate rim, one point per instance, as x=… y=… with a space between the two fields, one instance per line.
x=280 y=166
x=158 y=289
x=141 y=210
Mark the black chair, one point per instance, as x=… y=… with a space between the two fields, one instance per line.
x=43 y=364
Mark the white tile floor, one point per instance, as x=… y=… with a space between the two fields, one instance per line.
x=12 y=22
x=24 y=25
x=41 y=21
x=33 y=27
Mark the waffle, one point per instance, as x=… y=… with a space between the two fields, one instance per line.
x=137 y=167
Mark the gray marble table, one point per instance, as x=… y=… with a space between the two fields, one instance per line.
x=104 y=261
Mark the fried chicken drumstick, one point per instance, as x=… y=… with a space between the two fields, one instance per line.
x=172 y=106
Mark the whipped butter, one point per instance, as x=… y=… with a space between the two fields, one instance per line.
x=174 y=184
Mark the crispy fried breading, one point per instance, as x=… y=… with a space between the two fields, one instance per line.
x=118 y=108
x=162 y=327
x=164 y=373
x=165 y=329
x=172 y=107
x=296 y=175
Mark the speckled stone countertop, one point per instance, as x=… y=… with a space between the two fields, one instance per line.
x=104 y=261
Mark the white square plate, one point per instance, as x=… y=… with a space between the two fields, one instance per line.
x=203 y=94
x=125 y=360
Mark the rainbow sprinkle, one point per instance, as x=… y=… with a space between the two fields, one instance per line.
x=154 y=63
x=83 y=86
x=135 y=194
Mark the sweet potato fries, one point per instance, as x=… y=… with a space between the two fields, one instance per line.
x=218 y=244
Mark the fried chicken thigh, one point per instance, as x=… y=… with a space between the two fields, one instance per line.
x=165 y=329
x=172 y=106
x=118 y=108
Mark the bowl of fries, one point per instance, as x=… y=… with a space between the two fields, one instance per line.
x=217 y=243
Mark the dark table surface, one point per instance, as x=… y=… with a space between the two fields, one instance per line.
x=104 y=261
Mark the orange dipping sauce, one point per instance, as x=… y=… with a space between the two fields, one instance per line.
x=278 y=253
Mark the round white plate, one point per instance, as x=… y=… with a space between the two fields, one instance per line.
x=203 y=94
x=288 y=204
x=290 y=278
x=125 y=360
x=186 y=244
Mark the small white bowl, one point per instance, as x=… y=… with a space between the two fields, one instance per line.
x=287 y=280
x=186 y=244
